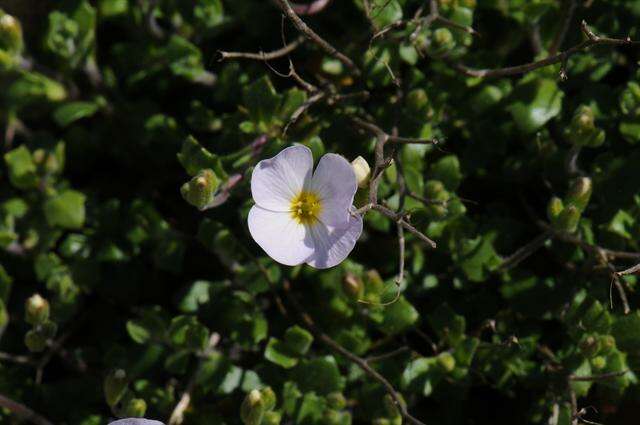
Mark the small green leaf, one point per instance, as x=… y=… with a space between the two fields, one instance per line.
x=262 y=101
x=298 y=340
x=279 y=353
x=535 y=103
x=71 y=112
x=22 y=169
x=66 y=210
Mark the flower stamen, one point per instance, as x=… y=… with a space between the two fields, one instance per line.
x=306 y=207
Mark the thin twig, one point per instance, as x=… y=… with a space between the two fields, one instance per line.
x=264 y=56
x=312 y=8
x=602 y=376
x=23 y=411
x=385 y=356
x=525 y=251
x=592 y=40
x=631 y=270
x=16 y=358
x=177 y=415
x=377 y=131
x=359 y=361
x=556 y=44
x=314 y=37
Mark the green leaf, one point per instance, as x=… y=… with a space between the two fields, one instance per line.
x=194 y=158
x=626 y=330
x=298 y=340
x=22 y=169
x=447 y=170
x=398 y=317
x=196 y=295
x=385 y=12
x=279 y=353
x=448 y=325
x=66 y=210
x=74 y=111
x=320 y=375
x=186 y=331
x=535 y=103
x=262 y=102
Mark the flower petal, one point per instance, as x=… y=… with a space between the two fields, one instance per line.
x=281 y=237
x=136 y=421
x=334 y=244
x=275 y=181
x=335 y=183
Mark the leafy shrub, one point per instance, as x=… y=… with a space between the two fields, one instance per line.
x=130 y=286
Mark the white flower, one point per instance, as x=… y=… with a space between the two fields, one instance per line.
x=303 y=216
x=136 y=421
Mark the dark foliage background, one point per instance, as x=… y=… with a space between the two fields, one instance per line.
x=128 y=144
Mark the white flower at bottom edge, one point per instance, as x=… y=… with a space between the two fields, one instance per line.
x=136 y=421
x=303 y=216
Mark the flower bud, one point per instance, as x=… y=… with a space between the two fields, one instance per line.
x=599 y=362
x=568 y=219
x=10 y=33
x=630 y=100
x=580 y=193
x=589 y=346
x=252 y=409
x=446 y=361
x=35 y=341
x=336 y=401
x=48 y=329
x=36 y=310
x=582 y=131
x=115 y=386
x=272 y=418
x=554 y=208
x=352 y=286
x=608 y=343
x=200 y=190
x=362 y=170
x=442 y=41
x=269 y=398
x=135 y=408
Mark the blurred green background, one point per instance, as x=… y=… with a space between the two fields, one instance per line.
x=113 y=113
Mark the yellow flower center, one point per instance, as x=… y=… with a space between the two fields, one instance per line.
x=306 y=207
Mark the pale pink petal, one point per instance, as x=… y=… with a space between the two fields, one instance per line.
x=335 y=182
x=277 y=180
x=280 y=236
x=333 y=244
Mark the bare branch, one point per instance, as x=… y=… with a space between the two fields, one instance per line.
x=177 y=415
x=264 y=56
x=23 y=411
x=592 y=40
x=525 y=251
x=312 y=8
x=602 y=376
x=556 y=44
x=378 y=132
x=359 y=361
x=314 y=37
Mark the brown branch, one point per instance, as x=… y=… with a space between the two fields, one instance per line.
x=359 y=361
x=599 y=377
x=385 y=356
x=177 y=415
x=388 y=138
x=630 y=270
x=556 y=44
x=592 y=40
x=23 y=411
x=525 y=251
x=314 y=37
x=264 y=56
x=312 y=8
x=16 y=358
